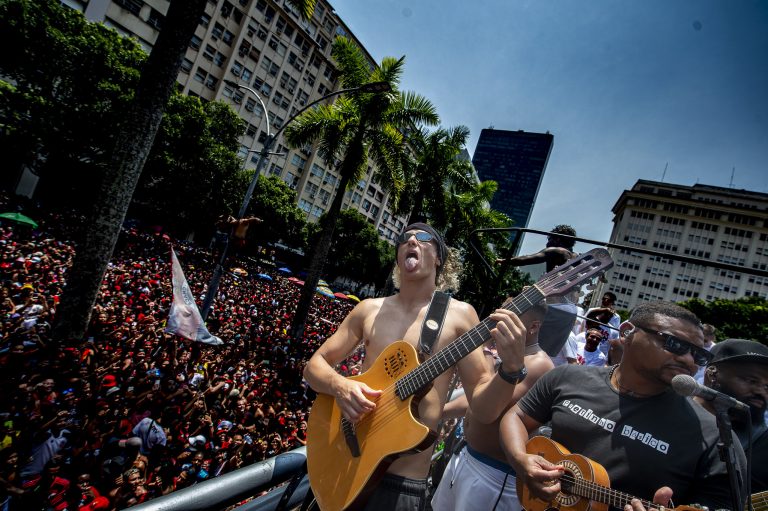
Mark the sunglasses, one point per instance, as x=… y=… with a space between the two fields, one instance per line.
x=678 y=346
x=421 y=237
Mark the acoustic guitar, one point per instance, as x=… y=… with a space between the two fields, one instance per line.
x=584 y=486
x=345 y=460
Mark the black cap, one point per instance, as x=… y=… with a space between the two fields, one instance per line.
x=739 y=350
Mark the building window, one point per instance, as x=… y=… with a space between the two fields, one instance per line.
x=186 y=65
x=132 y=6
x=209 y=52
x=156 y=19
x=218 y=30
x=200 y=75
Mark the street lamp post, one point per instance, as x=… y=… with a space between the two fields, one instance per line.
x=213 y=285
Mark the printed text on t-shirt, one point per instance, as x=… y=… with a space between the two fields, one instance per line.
x=609 y=425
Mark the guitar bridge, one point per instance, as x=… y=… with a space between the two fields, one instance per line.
x=351 y=437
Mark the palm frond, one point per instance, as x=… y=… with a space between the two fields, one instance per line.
x=310 y=125
x=305 y=7
x=390 y=71
x=386 y=148
x=410 y=109
x=457 y=136
x=352 y=65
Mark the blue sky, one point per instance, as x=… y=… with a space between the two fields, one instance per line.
x=625 y=86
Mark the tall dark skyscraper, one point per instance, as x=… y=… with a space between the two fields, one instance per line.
x=516 y=160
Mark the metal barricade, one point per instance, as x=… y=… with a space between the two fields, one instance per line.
x=229 y=489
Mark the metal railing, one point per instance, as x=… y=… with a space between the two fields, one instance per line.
x=229 y=489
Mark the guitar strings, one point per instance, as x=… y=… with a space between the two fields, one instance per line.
x=416 y=379
x=599 y=493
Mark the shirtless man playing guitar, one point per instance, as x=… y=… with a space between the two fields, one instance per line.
x=421 y=254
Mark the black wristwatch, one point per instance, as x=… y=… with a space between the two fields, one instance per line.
x=513 y=378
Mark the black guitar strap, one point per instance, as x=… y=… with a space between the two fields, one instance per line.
x=433 y=323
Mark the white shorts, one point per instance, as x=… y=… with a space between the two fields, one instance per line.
x=468 y=484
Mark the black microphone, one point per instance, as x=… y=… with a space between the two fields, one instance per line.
x=686 y=386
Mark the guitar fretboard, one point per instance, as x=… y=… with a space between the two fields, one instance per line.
x=447 y=357
x=598 y=493
x=559 y=281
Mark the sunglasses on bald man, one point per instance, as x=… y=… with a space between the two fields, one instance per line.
x=678 y=346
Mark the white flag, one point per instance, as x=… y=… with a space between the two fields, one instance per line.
x=185 y=319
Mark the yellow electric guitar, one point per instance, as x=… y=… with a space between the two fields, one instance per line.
x=345 y=461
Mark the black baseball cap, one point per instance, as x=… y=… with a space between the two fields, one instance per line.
x=739 y=350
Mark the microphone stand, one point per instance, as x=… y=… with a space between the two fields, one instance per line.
x=728 y=455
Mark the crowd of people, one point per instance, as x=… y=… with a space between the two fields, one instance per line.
x=133 y=412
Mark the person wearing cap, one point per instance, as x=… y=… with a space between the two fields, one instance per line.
x=378 y=322
x=652 y=442
x=739 y=368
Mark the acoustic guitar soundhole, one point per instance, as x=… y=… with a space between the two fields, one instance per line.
x=395 y=363
x=572 y=472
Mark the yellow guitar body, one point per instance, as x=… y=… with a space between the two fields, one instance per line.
x=341 y=480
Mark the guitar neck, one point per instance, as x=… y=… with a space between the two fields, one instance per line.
x=465 y=344
x=598 y=493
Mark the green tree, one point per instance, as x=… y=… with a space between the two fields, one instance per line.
x=352 y=130
x=275 y=203
x=357 y=251
x=434 y=165
x=132 y=145
x=69 y=82
x=193 y=162
x=467 y=212
x=745 y=318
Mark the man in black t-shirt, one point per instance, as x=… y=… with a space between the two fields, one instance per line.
x=740 y=369
x=651 y=441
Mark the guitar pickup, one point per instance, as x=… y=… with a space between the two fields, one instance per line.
x=351 y=437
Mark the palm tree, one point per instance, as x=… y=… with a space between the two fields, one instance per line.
x=434 y=165
x=349 y=132
x=466 y=212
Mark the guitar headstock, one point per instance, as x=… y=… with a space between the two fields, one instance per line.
x=575 y=272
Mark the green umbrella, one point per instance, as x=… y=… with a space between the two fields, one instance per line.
x=18 y=217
